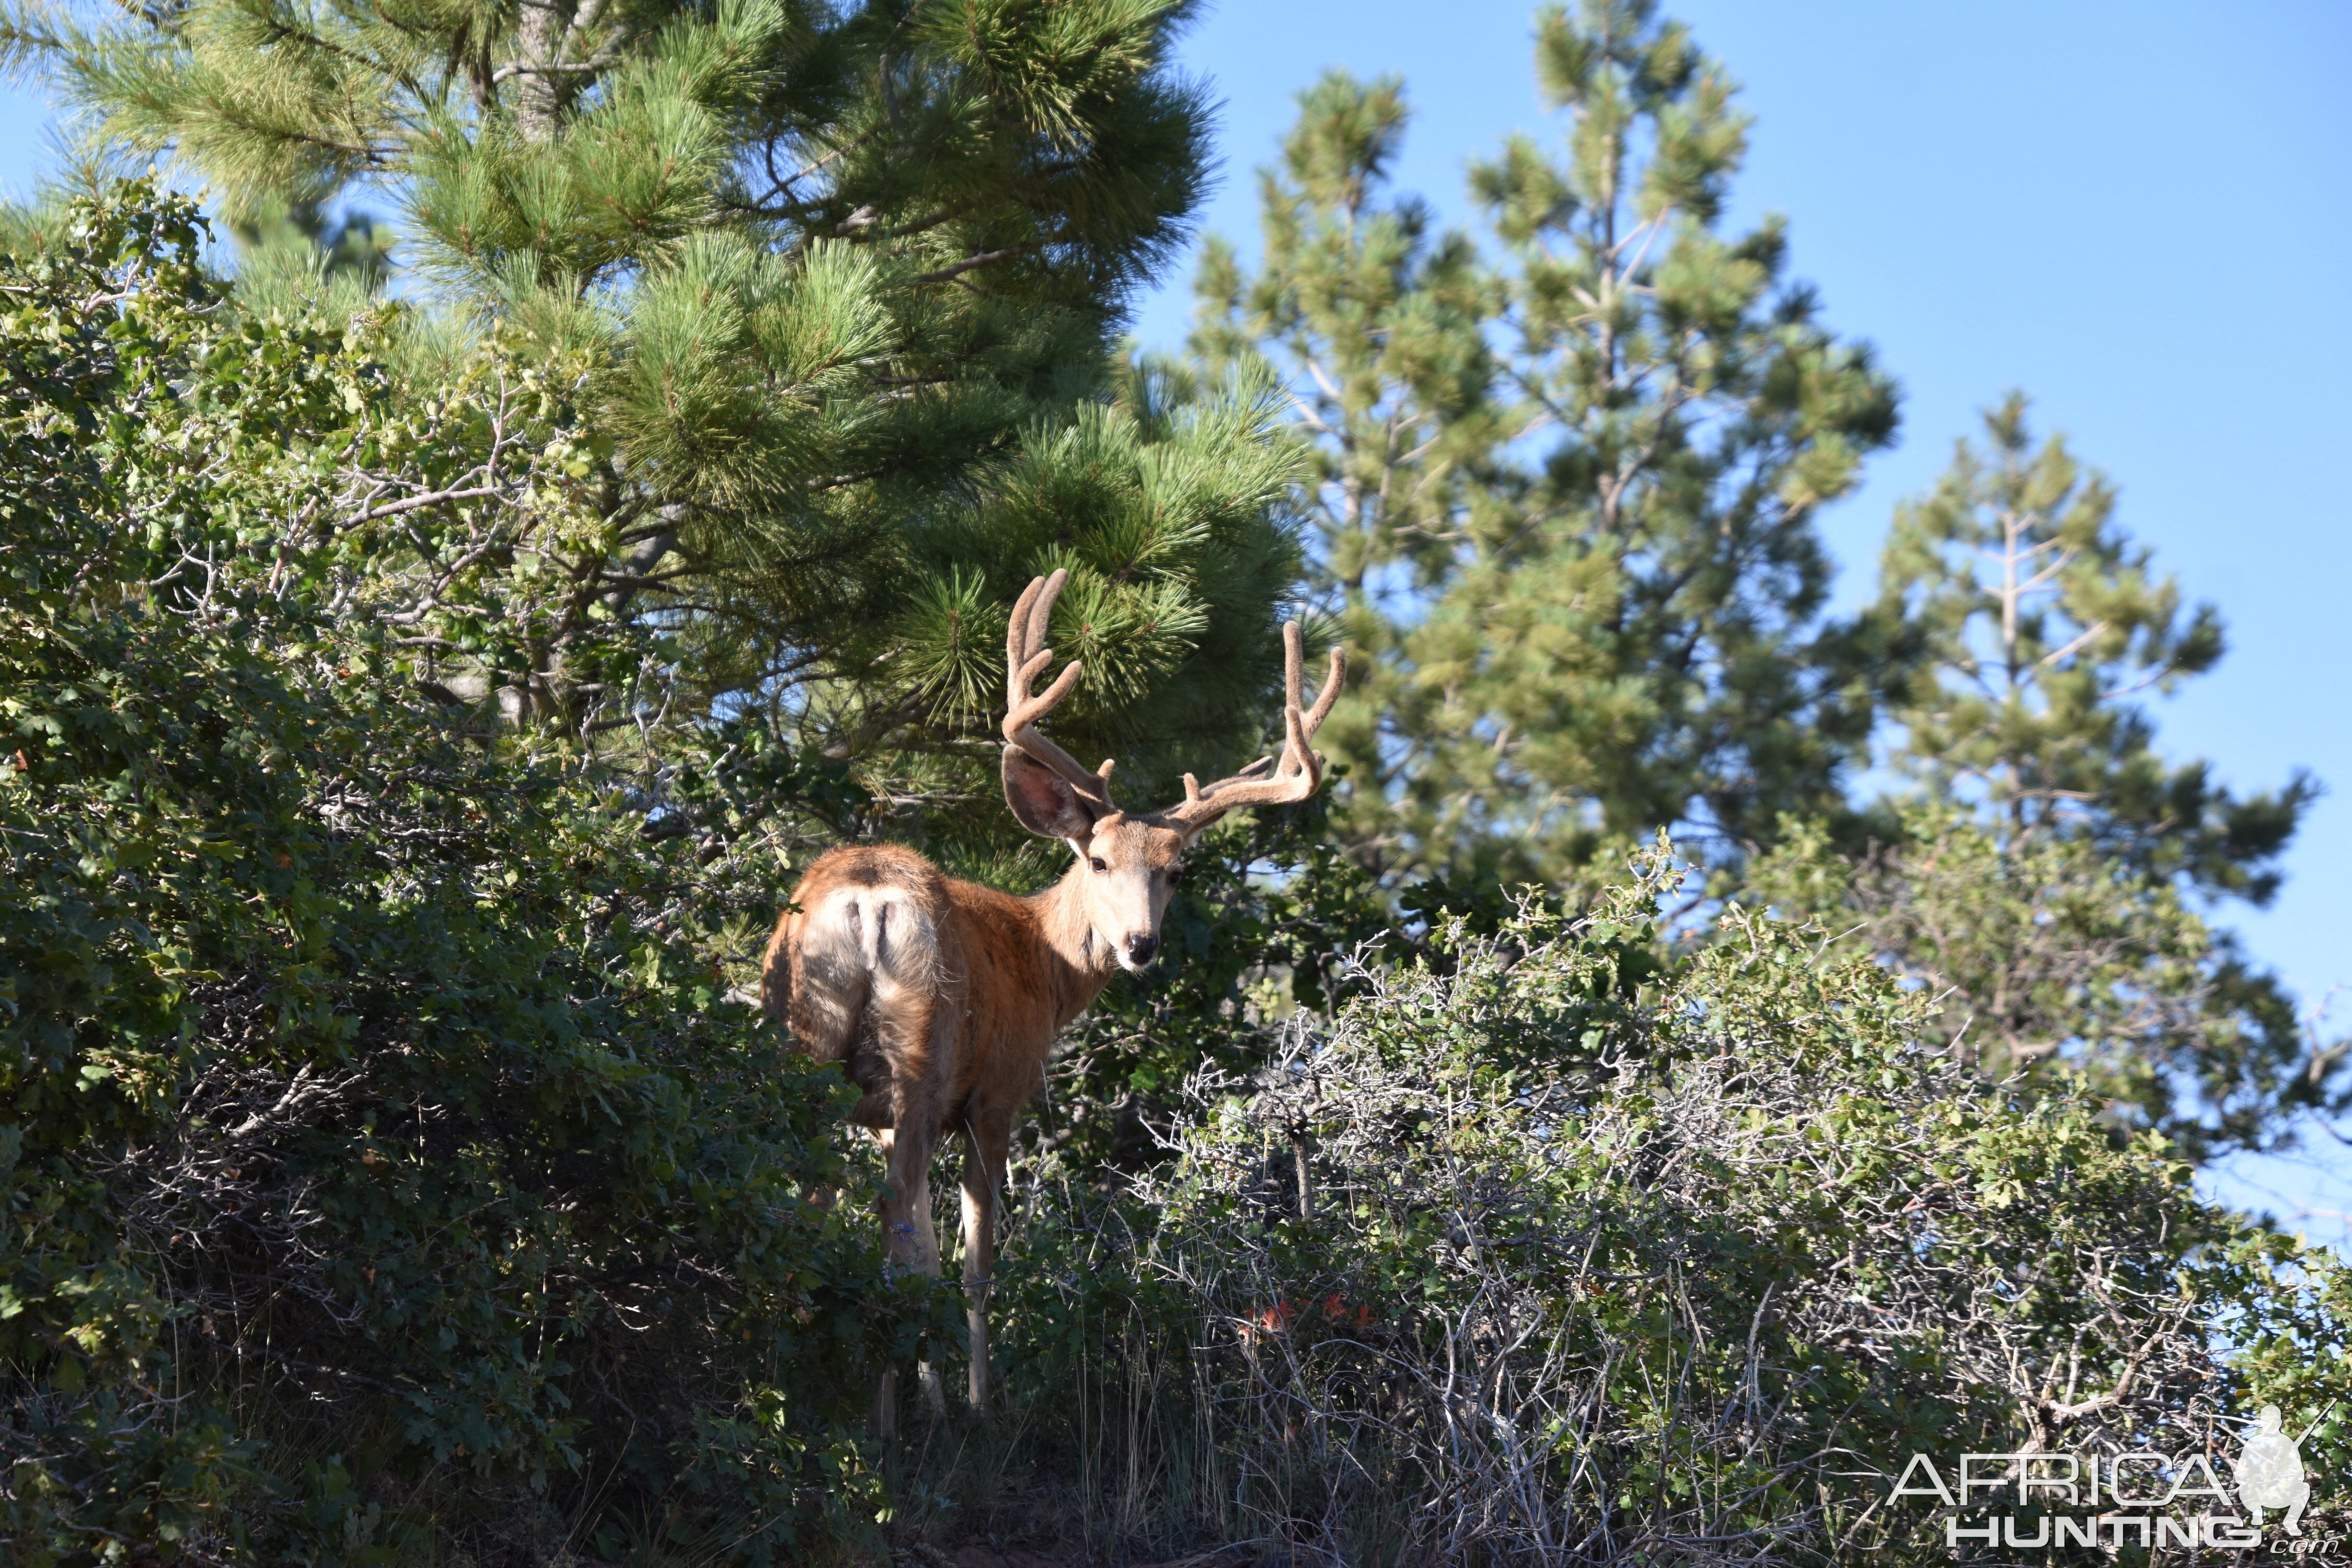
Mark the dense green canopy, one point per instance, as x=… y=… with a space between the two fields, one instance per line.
x=831 y=297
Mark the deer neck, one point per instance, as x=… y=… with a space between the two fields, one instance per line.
x=1081 y=964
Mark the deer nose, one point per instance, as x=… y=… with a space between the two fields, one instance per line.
x=1141 y=946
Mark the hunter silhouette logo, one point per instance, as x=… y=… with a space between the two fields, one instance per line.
x=2269 y=1471
x=2137 y=1497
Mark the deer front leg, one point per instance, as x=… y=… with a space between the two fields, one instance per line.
x=979 y=1262
x=986 y=1148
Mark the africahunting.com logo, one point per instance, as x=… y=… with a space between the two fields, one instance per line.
x=2146 y=1500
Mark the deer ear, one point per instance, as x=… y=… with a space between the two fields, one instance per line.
x=1042 y=800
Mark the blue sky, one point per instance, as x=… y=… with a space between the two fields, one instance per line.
x=2140 y=214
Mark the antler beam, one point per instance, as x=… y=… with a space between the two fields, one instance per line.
x=1026 y=656
x=1271 y=780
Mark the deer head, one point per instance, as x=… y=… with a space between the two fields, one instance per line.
x=1130 y=860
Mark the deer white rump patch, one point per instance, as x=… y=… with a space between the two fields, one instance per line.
x=858 y=937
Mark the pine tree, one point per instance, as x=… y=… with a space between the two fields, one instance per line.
x=1374 y=323
x=2041 y=617
x=1599 y=452
x=837 y=291
x=2041 y=877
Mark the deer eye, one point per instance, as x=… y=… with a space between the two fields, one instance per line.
x=1097 y=862
x=1174 y=874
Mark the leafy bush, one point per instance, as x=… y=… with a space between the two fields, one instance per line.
x=1521 y=1258
x=379 y=1153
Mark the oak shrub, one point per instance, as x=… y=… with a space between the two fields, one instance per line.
x=1606 y=1260
x=382 y=1163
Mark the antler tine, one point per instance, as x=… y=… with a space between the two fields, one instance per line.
x=1025 y=655
x=1293 y=647
x=1293 y=667
x=1269 y=780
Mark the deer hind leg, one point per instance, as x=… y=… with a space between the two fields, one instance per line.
x=914 y=1034
x=912 y=1245
x=907 y=1240
x=817 y=983
x=863 y=992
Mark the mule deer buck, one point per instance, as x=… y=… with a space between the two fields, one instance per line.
x=941 y=998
